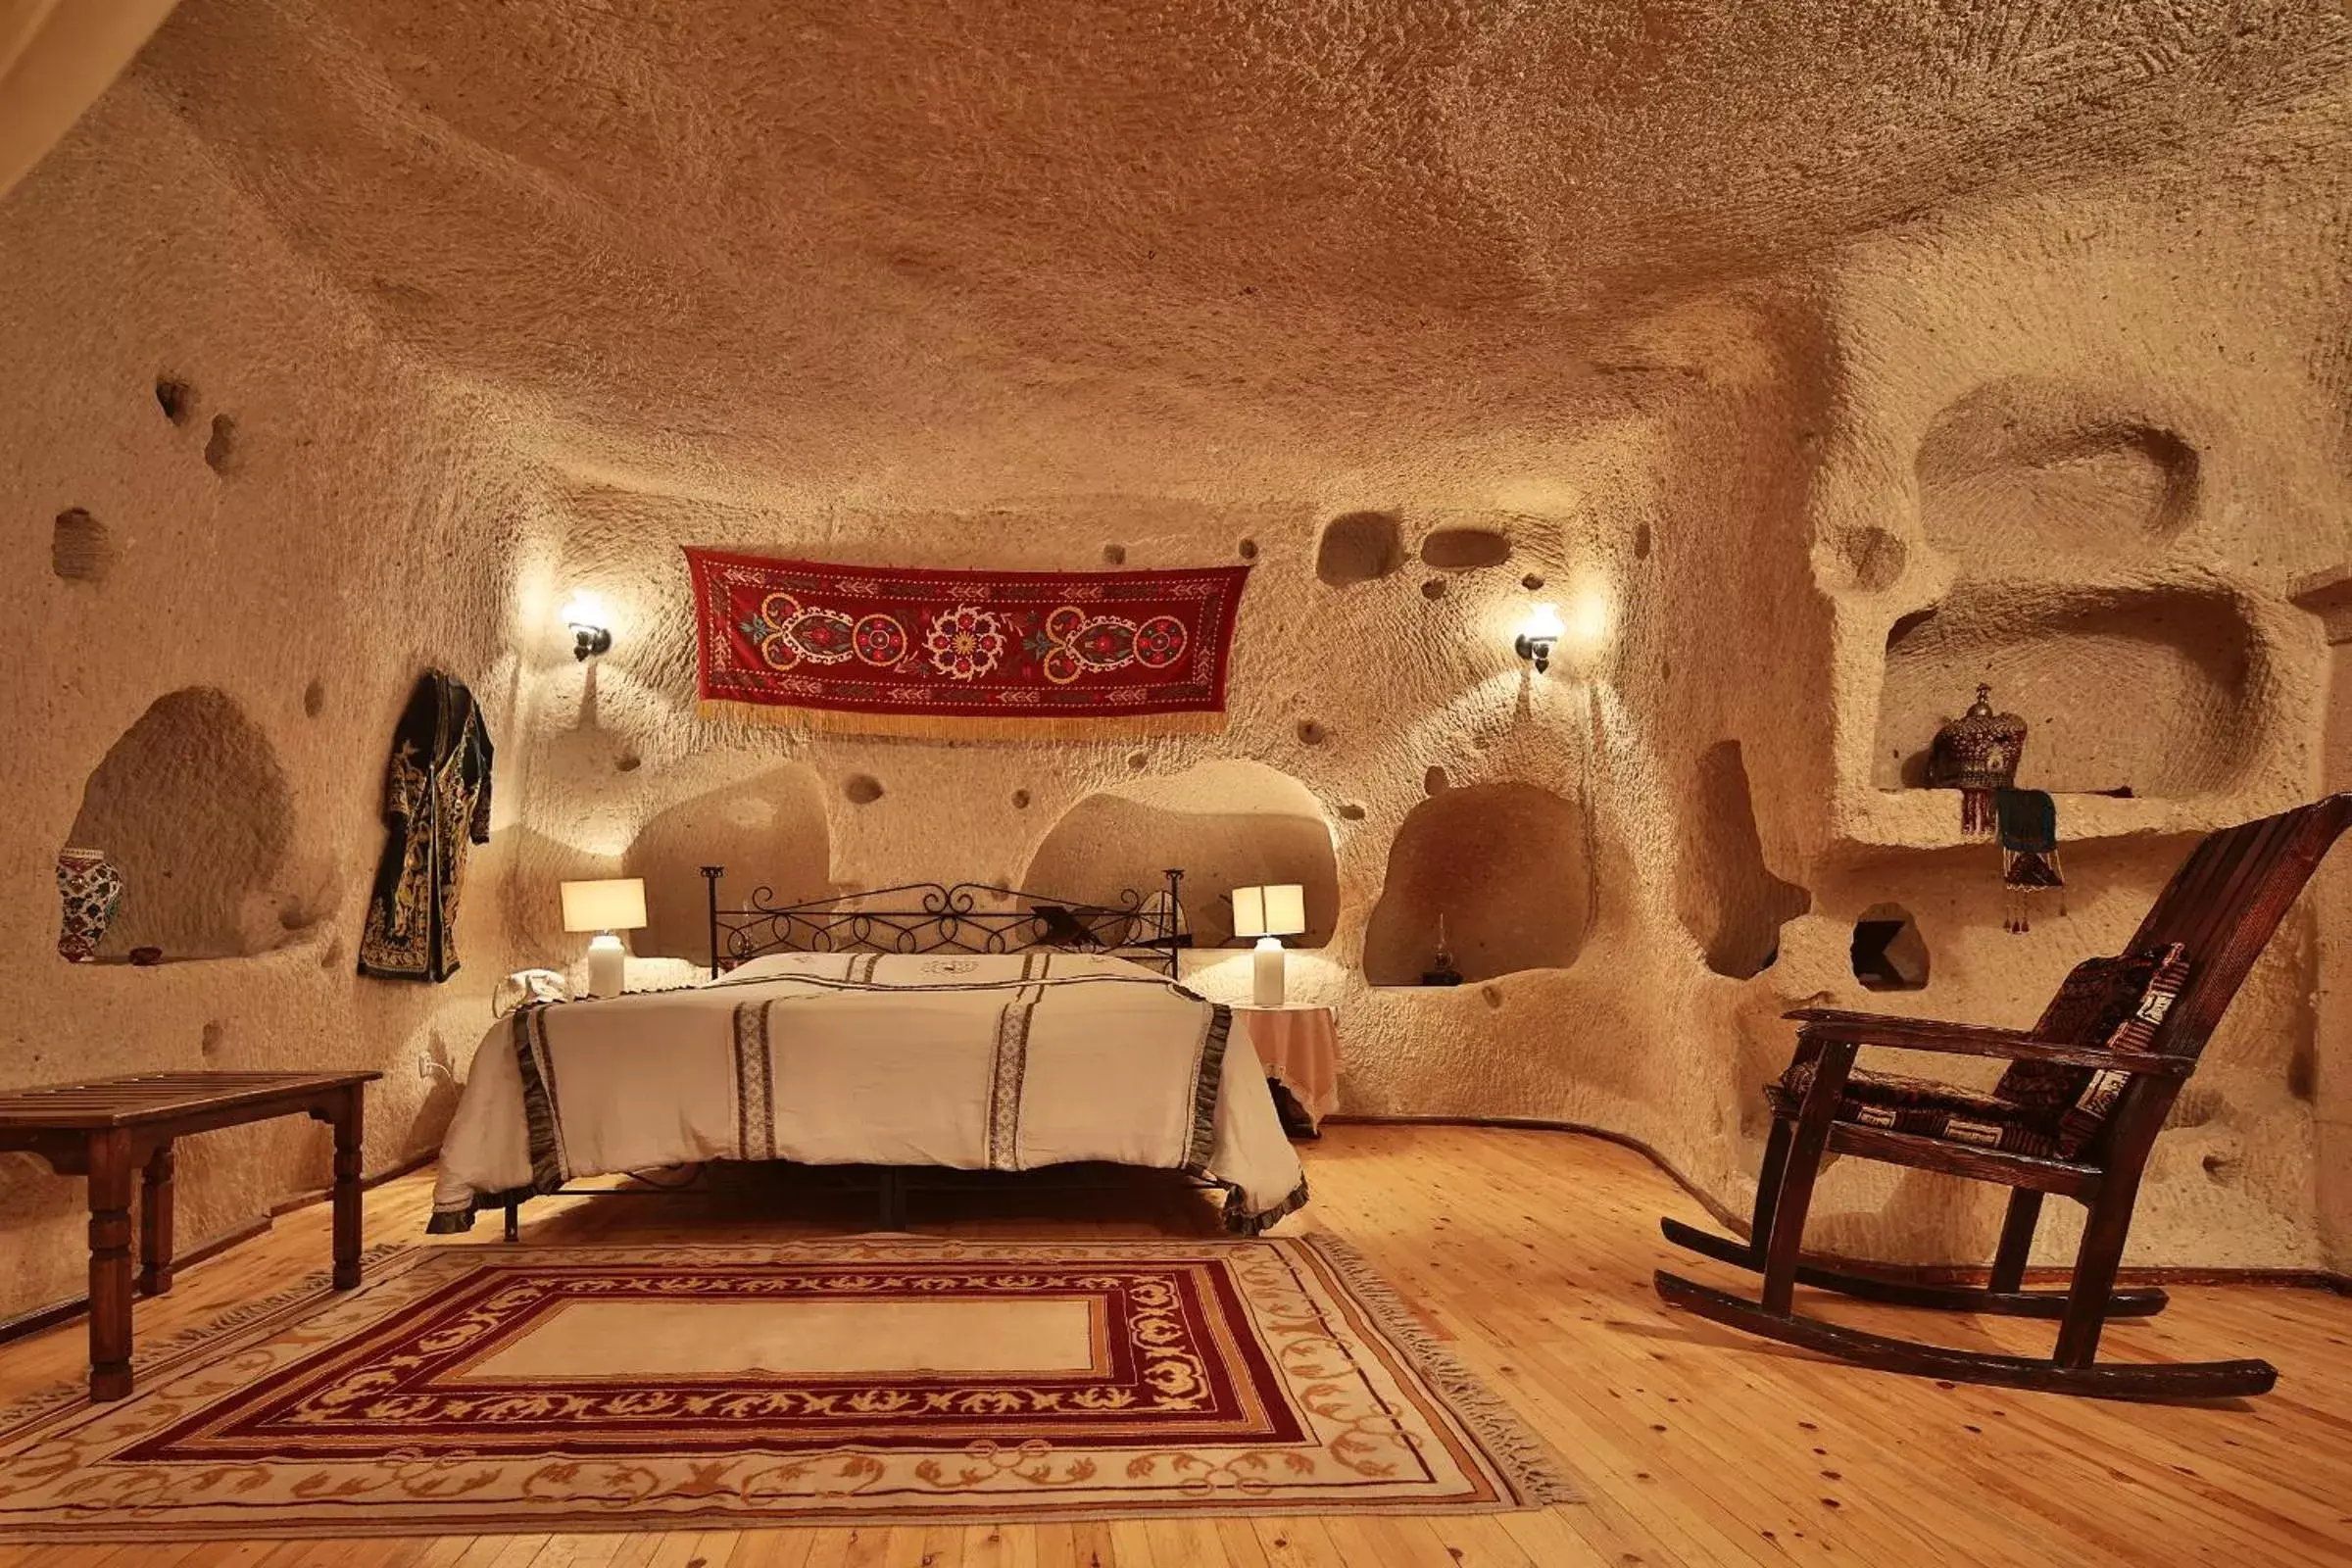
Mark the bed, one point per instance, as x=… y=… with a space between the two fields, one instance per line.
x=958 y=1028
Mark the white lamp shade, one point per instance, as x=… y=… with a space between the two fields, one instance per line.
x=1543 y=624
x=616 y=905
x=1279 y=910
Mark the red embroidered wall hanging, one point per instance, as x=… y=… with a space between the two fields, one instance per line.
x=885 y=650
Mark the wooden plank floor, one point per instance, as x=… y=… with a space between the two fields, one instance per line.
x=1530 y=1252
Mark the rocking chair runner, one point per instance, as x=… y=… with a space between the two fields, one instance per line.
x=2075 y=1114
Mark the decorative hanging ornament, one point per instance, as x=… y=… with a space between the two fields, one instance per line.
x=2030 y=864
x=1978 y=754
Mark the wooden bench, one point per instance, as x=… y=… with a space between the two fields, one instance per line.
x=110 y=1127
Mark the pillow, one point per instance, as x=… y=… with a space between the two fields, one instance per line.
x=790 y=967
x=2113 y=1003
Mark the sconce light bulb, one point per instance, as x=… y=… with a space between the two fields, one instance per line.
x=585 y=615
x=1536 y=639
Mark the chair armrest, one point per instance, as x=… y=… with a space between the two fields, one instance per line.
x=1833 y=1025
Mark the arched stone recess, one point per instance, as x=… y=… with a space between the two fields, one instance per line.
x=769 y=831
x=1506 y=867
x=193 y=806
x=2150 y=690
x=2026 y=469
x=1465 y=548
x=1726 y=896
x=1228 y=823
x=1359 y=547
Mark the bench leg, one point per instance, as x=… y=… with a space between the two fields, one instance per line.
x=110 y=1263
x=155 y=1223
x=349 y=1127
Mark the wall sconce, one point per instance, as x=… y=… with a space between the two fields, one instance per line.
x=585 y=614
x=1543 y=629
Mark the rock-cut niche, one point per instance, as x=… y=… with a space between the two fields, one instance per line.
x=1226 y=824
x=1726 y=897
x=1888 y=952
x=769 y=832
x=1503 y=864
x=1359 y=547
x=193 y=807
x=2026 y=469
x=2148 y=690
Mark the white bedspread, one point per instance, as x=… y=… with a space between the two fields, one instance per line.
x=978 y=1062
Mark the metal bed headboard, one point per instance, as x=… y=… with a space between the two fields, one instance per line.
x=932 y=917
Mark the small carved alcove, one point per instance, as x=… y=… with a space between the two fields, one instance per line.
x=1888 y=952
x=1506 y=864
x=193 y=807
x=1227 y=825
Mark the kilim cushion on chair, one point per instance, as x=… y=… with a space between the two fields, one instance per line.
x=1930 y=1109
x=2036 y=1108
x=2115 y=1003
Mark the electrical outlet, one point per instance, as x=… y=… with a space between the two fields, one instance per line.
x=425 y=1064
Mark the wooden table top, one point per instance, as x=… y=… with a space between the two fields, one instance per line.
x=146 y=1097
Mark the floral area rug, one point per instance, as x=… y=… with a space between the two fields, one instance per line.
x=544 y=1389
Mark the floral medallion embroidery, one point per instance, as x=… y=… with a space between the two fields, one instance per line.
x=965 y=642
x=881 y=640
x=787 y=632
x=1078 y=644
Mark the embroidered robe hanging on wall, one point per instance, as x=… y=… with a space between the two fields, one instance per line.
x=1017 y=654
x=436 y=802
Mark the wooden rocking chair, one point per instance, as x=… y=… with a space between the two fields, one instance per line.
x=2075 y=1114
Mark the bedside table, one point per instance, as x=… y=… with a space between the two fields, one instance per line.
x=1298 y=1046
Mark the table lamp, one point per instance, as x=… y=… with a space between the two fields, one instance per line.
x=605 y=908
x=1268 y=913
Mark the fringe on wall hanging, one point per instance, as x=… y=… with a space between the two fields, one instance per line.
x=2029 y=837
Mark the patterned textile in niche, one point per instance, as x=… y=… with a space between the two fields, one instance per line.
x=436 y=802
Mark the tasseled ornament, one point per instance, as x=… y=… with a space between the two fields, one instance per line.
x=2028 y=834
x=1977 y=815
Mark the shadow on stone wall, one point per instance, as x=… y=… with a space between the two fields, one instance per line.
x=768 y=831
x=1726 y=897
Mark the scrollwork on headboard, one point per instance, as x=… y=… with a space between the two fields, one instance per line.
x=935 y=917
